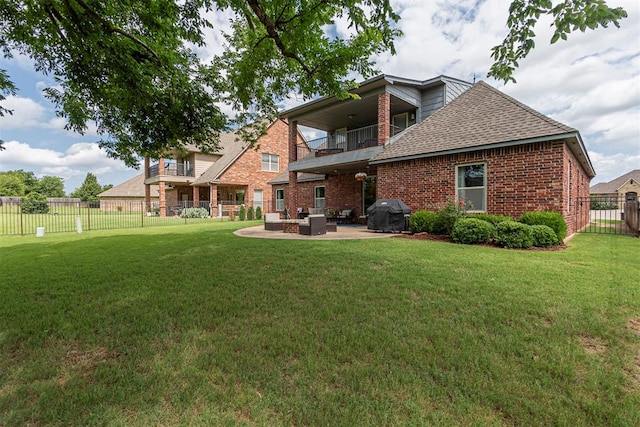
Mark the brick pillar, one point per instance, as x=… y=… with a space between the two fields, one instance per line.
x=291 y=194
x=147 y=187
x=163 y=199
x=161 y=191
x=213 y=196
x=293 y=141
x=196 y=197
x=384 y=117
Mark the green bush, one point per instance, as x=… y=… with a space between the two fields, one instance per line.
x=511 y=234
x=472 y=230
x=551 y=219
x=35 y=203
x=602 y=204
x=490 y=218
x=543 y=236
x=422 y=222
x=447 y=216
x=194 y=213
x=242 y=214
x=250 y=213
x=258 y=212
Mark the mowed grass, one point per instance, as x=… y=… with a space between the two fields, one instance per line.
x=195 y=326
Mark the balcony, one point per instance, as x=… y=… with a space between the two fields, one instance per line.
x=352 y=140
x=171 y=170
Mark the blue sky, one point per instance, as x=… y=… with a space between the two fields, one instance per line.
x=590 y=82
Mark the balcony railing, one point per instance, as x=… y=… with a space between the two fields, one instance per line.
x=355 y=139
x=172 y=170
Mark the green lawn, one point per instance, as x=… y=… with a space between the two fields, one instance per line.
x=195 y=326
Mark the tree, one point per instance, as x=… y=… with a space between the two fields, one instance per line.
x=11 y=185
x=130 y=65
x=89 y=190
x=51 y=186
x=568 y=16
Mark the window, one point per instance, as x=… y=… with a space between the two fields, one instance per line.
x=319 y=197
x=270 y=162
x=279 y=199
x=400 y=122
x=471 y=186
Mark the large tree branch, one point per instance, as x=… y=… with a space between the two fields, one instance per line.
x=270 y=26
x=114 y=29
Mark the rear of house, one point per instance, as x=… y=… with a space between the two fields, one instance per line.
x=477 y=146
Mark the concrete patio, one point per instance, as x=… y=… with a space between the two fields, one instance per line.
x=344 y=232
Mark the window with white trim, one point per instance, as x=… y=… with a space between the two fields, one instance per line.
x=270 y=162
x=471 y=186
x=279 y=199
x=319 y=197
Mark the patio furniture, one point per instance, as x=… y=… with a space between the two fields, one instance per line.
x=272 y=222
x=315 y=225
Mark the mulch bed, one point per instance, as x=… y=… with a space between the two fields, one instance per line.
x=447 y=238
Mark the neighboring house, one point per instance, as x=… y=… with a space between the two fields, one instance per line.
x=128 y=196
x=469 y=142
x=615 y=190
x=235 y=175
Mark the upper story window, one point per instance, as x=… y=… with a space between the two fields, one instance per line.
x=471 y=186
x=270 y=162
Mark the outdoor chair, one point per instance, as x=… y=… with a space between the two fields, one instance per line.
x=315 y=225
x=272 y=222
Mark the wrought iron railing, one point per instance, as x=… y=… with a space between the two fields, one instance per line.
x=355 y=139
x=171 y=170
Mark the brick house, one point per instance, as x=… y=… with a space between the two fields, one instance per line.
x=468 y=142
x=616 y=189
x=236 y=174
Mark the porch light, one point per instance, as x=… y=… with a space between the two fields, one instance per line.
x=360 y=176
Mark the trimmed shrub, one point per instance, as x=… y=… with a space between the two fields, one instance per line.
x=543 y=236
x=242 y=214
x=250 y=213
x=35 y=203
x=511 y=234
x=422 y=222
x=447 y=216
x=471 y=231
x=258 y=212
x=551 y=219
x=194 y=213
x=490 y=218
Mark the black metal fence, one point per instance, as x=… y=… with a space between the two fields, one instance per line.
x=23 y=217
x=606 y=214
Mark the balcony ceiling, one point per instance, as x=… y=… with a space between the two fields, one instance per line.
x=351 y=114
x=350 y=161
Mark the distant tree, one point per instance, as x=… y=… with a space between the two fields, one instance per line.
x=35 y=203
x=51 y=186
x=107 y=187
x=89 y=190
x=11 y=185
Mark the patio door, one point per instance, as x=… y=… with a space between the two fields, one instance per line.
x=368 y=193
x=400 y=122
x=341 y=138
x=257 y=199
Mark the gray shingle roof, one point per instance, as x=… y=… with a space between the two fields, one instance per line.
x=133 y=187
x=613 y=185
x=480 y=116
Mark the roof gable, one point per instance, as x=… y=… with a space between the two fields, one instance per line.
x=133 y=187
x=479 y=117
x=614 y=185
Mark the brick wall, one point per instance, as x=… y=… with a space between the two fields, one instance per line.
x=520 y=179
x=247 y=169
x=341 y=191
